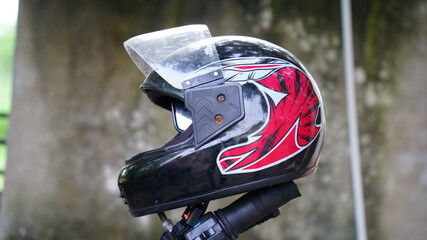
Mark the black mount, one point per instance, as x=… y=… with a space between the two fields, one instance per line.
x=251 y=209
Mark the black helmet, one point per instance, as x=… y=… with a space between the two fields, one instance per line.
x=247 y=112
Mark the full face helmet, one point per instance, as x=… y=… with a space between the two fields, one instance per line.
x=247 y=113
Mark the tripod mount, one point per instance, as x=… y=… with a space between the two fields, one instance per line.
x=251 y=209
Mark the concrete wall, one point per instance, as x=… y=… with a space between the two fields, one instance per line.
x=77 y=113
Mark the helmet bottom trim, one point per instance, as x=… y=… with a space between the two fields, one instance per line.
x=242 y=188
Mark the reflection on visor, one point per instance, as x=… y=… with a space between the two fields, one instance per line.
x=181 y=116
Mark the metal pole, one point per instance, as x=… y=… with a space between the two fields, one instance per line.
x=356 y=173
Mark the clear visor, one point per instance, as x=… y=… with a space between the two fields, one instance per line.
x=175 y=54
x=181 y=116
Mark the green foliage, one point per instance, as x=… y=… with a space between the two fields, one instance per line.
x=7 y=47
x=4 y=123
x=3 y=153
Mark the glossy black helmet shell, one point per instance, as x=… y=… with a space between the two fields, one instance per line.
x=276 y=138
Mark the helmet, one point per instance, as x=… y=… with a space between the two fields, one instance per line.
x=247 y=113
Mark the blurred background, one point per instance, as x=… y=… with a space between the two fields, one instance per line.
x=77 y=113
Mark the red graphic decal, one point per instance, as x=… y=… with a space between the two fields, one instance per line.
x=291 y=126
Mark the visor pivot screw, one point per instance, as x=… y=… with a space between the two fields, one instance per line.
x=215 y=74
x=187 y=82
x=221 y=98
x=219 y=118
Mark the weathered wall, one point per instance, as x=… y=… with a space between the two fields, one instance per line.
x=77 y=112
x=402 y=211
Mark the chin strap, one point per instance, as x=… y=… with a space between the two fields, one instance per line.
x=246 y=212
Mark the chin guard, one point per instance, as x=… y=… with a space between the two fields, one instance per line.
x=214 y=109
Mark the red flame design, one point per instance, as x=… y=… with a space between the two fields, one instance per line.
x=291 y=126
